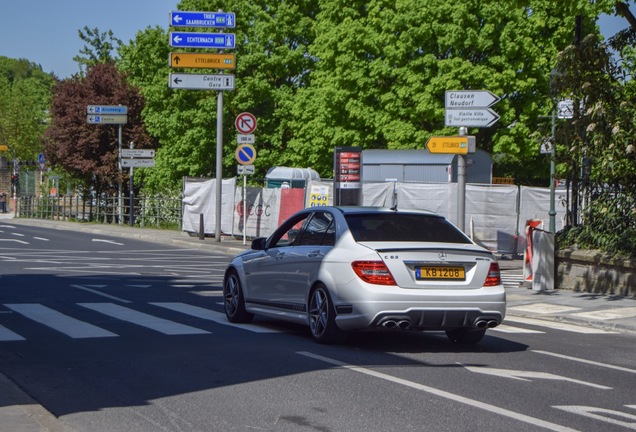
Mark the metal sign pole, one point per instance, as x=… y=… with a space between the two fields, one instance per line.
x=244 y=207
x=119 y=195
x=219 y=165
x=132 y=193
x=461 y=186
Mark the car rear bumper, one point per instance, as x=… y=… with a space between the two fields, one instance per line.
x=482 y=309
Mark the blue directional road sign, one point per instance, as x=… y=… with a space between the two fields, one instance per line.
x=106 y=109
x=202 y=19
x=202 y=40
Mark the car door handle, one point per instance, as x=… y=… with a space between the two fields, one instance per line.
x=280 y=256
x=315 y=254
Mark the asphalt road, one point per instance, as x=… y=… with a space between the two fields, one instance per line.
x=113 y=334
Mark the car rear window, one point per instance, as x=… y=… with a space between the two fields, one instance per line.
x=395 y=227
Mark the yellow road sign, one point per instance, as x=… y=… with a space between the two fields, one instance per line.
x=448 y=145
x=202 y=60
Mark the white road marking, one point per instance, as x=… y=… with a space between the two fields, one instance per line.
x=609 y=314
x=543 y=308
x=510 y=329
x=14 y=240
x=522 y=375
x=7 y=335
x=107 y=241
x=441 y=393
x=41 y=238
x=211 y=315
x=602 y=414
x=145 y=320
x=63 y=323
x=86 y=288
x=558 y=325
x=576 y=359
x=17 y=234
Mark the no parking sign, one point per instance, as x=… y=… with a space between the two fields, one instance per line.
x=245 y=154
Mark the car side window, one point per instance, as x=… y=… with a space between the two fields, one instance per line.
x=319 y=230
x=287 y=235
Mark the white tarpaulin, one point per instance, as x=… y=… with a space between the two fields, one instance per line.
x=378 y=194
x=263 y=208
x=200 y=198
x=439 y=198
x=492 y=212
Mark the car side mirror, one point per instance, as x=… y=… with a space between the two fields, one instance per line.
x=258 y=243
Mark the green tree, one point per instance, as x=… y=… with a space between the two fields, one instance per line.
x=272 y=64
x=383 y=68
x=24 y=103
x=599 y=156
x=100 y=48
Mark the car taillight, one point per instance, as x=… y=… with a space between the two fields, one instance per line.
x=494 y=275
x=374 y=272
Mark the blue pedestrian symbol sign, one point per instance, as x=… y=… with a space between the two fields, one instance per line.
x=245 y=154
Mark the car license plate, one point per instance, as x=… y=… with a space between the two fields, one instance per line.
x=440 y=273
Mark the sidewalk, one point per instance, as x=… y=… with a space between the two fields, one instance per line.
x=20 y=413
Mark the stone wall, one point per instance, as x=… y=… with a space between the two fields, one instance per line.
x=595 y=272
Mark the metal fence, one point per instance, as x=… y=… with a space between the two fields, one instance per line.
x=156 y=211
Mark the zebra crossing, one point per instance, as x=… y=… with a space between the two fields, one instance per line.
x=78 y=329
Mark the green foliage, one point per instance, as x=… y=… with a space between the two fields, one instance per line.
x=600 y=146
x=99 y=48
x=25 y=93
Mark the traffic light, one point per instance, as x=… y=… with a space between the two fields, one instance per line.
x=17 y=178
x=12 y=179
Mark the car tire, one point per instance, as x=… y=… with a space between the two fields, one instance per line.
x=322 y=317
x=233 y=300
x=464 y=336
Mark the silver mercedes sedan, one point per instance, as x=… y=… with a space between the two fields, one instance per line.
x=343 y=269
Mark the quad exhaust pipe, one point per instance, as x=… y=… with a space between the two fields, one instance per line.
x=401 y=324
x=482 y=323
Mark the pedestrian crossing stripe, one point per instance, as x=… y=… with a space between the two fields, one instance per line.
x=78 y=329
x=58 y=321
x=142 y=319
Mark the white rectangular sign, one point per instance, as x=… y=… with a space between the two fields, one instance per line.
x=470 y=117
x=245 y=169
x=201 y=81
x=139 y=153
x=470 y=99
x=245 y=139
x=137 y=163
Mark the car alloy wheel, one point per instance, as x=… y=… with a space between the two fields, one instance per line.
x=322 y=317
x=233 y=300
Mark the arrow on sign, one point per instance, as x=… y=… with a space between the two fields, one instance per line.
x=528 y=375
x=470 y=98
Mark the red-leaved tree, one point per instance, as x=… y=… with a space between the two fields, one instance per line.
x=89 y=152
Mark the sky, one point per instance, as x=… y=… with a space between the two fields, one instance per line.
x=45 y=32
